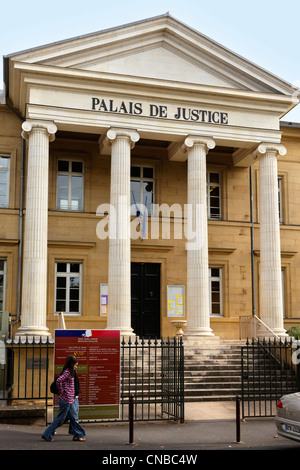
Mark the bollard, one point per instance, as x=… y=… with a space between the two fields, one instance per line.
x=131 y=418
x=238 y=419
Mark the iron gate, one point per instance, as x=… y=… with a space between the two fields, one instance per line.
x=173 y=379
x=268 y=371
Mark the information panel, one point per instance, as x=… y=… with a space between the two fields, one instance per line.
x=98 y=354
x=175 y=296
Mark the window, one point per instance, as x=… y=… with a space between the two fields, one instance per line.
x=2 y=285
x=141 y=188
x=68 y=280
x=213 y=195
x=215 y=284
x=69 y=185
x=4 y=180
x=280 y=206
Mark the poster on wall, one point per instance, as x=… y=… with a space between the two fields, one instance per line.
x=175 y=297
x=98 y=354
x=103 y=300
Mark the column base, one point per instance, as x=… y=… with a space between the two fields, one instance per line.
x=281 y=333
x=266 y=333
x=198 y=335
x=205 y=331
x=126 y=332
x=33 y=331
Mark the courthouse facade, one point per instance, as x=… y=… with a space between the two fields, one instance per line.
x=146 y=177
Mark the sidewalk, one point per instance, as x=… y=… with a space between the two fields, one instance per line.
x=208 y=426
x=217 y=410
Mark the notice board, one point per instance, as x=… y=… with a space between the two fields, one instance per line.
x=103 y=300
x=175 y=298
x=98 y=354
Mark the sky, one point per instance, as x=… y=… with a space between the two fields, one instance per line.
x=266 y=32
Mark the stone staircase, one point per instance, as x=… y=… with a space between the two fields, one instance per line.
x=212 y=370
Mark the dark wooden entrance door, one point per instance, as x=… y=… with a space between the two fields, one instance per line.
x=145 y=299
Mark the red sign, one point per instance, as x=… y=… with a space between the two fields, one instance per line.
x=98 y=355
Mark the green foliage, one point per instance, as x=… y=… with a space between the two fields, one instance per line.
x=294 y=331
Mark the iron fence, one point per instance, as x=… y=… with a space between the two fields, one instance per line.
x=268 y=371
x=26 y=369
x=151 y=370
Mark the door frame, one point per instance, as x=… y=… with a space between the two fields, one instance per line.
x=146 y=253
x=141 y=298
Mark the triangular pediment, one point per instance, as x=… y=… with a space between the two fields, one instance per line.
x=157 y=48
x=162 y=62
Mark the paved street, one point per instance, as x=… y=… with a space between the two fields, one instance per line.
x=216 y=430
x=165 y=436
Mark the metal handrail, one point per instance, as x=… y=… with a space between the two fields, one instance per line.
x=253 y=320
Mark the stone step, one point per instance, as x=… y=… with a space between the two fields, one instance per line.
x=221 y=380
x=210 y=359
x=234 y=372
x=211 y=386
x=23 y=414
x=226 y=393
x=213 y=367
x=212 y=372
x=210 y=398
x=216 y=363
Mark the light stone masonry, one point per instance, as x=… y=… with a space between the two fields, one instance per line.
x=198 y=321
x=121 y=140
x=270 y=258
x=34 y=282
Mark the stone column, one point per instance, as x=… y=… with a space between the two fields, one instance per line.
x=270 y=257
x=119 y=273
x=198 y=318
x=34 y=277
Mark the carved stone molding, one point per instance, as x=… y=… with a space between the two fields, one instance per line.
x=192 y=140
x=29 y=126
x=114 y=133
x=264 y=148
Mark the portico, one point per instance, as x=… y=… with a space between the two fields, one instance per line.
x=210 y=98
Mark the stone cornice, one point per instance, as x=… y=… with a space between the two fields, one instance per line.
x=25 y=76
x=284 y=254
x=70 y=244
x=9 y=242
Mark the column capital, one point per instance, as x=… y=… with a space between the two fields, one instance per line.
x=47 y=126
x=114 y=132
x=192 y=140
x=264 y=148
